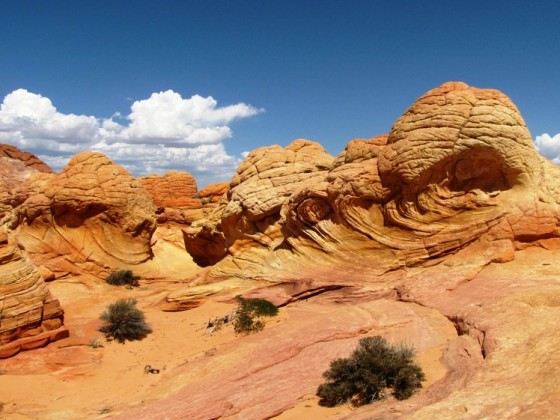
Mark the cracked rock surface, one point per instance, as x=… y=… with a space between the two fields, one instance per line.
x=453 y=210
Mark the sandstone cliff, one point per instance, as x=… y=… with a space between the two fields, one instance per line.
x=29 y=316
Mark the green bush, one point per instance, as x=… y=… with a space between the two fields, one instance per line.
x=257 y=307
x=249 y=309
x=122 y=277
x=365 y=376
x=124 y=321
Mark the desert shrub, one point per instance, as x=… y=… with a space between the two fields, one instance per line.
x=257 y=307
x=122 y=277
x=364 y=377
x=249 y=309
x=94 y=343
x=124 y=321
x=245 y=323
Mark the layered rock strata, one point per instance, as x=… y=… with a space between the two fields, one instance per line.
x=90 y=218
x=28 y=159
x=453 y=210
x=248 y=219
x=175 y=195
x=457 y=168
x=29 y=316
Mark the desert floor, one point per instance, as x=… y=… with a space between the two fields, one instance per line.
x=86 y=376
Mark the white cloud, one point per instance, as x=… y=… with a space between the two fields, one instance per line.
x=549 y=146
x=163 y=132
x=28 y=120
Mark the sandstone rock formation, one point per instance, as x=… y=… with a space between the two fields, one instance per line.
x=15 y=168
x=92 y=217
x=177 y=199
x=174 y=189
x=443 y=212
x=213 y=193
x=174 y=194
x=458 y=167
x=29 y=316
x=28 y=159
x=13 y=188
x=248 y=220
x=443 y=234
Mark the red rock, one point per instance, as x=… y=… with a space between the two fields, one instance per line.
x=214 y=192
x=174 y=189
x=28 y=159
x=454 y=210
x=30 y=316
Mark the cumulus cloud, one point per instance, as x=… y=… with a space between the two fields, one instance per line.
x=162 y=132
x=30 y=121
x=549 y=146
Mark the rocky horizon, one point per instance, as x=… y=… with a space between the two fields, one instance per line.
x=443 y=233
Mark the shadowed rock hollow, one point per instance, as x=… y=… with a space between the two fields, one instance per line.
x=454 y=210
x=443 y=234
x=90 y=218
x=458 y=167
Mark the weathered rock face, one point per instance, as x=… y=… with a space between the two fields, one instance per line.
x=15 y=169
x=28 y=159
x=175 y=195
x=262 y=183
x=454 y=210
x=174 y=189
x=92 y=217
x=457 y=167
x=178 y=201
x=213 y=193
x=13 y=188
x=29 y=316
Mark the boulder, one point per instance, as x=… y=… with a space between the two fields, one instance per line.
x=213 y=193
x=174 y=189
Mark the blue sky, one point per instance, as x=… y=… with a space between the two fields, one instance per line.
x=192 y=85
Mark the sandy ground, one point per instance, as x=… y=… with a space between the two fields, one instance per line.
x=85 y=376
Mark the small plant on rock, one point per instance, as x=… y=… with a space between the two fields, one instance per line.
x=249 y=309
x=94 y=343
x=124 y=321
x=365 y=376
x=122 y=278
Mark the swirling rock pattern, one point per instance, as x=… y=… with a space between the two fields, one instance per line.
x=453 y=210
x=249 y=217
x=457 y=167
x=91 y=217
